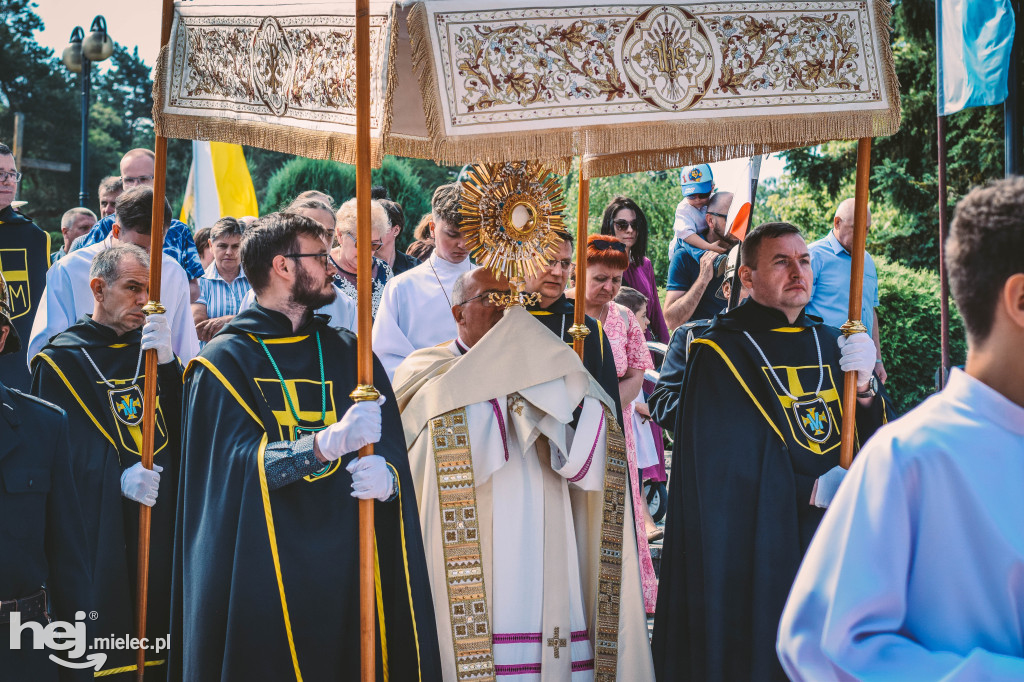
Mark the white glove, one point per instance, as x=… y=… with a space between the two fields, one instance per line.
x=857 y=352
x=826 y=486
x=156 y=333
x=141 y=484
x=360 y=426
x=371 y=478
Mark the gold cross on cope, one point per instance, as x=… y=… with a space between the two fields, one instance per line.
x=556 y=642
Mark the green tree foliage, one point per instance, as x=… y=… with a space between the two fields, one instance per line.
x=908 y=317
x=339 y=181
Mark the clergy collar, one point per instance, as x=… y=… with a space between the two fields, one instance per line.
x=753 y=317
x=562 y=305
x=88 y=333
x=984 y=400
x=271 y=323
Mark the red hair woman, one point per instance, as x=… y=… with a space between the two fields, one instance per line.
x=607 y=259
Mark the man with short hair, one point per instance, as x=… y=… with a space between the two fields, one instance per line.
x=755 y=462
x=693 y=283
x=44 y=570
x=915 y=571
x=68 y=294
x=399 y=262
x=24 y=258
x=110 y=189
x=831 y=262
x=138 y=168
x=416 y=308
x=508 y=481
x=73 y=224
x=266 y=575
x=92 y=370
x=557 y=312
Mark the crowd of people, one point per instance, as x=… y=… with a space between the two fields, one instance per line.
x=508 y=471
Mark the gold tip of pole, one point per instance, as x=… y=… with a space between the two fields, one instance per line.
x=851 y=327
x=579 y=331
x=364 y=393
x=154 y=308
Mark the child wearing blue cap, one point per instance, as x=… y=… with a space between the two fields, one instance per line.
x=690 y=225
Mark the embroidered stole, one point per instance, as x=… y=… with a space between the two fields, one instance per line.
x=463 y=558
x=606 y=644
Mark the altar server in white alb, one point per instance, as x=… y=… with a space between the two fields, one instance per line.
x=917 y=571
x=416 y=306
x=68 y=296
x=527 y=525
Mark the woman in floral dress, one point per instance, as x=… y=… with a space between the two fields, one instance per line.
x=606 y=261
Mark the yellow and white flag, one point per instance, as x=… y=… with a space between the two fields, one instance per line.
x=219 y=185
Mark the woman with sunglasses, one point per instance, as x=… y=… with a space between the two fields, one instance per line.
x=607 y=259
x=624 y=219
x=344 y=254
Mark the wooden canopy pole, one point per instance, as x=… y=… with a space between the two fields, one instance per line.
x=156 y=249
x=579 y=328
x=364 y=390
x=853 y=324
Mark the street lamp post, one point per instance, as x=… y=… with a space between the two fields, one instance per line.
x=81 y=52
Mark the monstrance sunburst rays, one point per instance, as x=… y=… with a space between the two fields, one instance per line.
x=510 y=215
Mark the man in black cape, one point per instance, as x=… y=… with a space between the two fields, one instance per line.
x=44 y=574
x=24 y=258
x=556 y=312
x=756 y=457
x=92 y=370
x=266 y=580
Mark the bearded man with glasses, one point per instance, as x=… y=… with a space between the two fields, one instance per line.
x=265 y=583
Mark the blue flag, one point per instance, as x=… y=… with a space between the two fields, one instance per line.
x=973 y=42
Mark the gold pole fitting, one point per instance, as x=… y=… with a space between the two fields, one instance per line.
x=852 y=327
x=579 y=331
x=154 y=308
x=364 y=393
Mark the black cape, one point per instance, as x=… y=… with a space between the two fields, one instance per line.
x=24 y=258
x=41 y=537
x=266 y=583
x=106 y=424
x=597 y=350
x=739 y=518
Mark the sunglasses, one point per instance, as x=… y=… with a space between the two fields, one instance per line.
x=604 y=245
x=624 y=225
x=720 y=215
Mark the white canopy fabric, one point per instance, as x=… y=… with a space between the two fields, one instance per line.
x=627 y=87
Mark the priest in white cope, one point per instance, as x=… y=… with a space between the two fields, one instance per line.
x=917 y=571
x=415 y=308
x=525 y=519
x=68 y=297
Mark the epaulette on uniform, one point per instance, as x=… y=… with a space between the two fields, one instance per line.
x=44 y=403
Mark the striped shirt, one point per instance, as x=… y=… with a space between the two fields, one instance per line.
x=220 y=297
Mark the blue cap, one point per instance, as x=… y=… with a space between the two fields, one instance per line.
x=696 y=179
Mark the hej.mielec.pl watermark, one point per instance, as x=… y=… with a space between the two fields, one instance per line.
x=68 y=637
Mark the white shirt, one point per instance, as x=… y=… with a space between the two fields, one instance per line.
x=342 y=311
x=688 y=220
x=416 y=311
x=68 y=297
x=917 y=570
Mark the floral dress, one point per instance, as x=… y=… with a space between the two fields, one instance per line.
x=629 y=349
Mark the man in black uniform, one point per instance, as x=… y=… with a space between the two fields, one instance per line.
x=92 y=370
x=266 y=579
x=755 y=464
x=24 y=258
x=556 y=312
x=43 y=570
